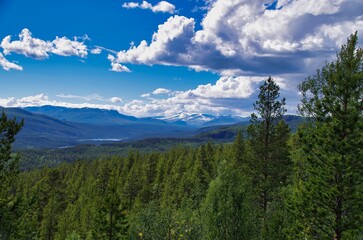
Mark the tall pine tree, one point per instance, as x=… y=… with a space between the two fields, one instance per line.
x=268 y=139
x=328 y=199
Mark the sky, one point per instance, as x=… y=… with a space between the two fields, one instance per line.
x=163 y=58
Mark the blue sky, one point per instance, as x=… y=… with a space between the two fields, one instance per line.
x=153 y=58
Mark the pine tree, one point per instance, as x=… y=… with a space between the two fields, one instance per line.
x=268 y=139
x=112 y=222
x=8 y=174
x=239 y=148
x=329 y=186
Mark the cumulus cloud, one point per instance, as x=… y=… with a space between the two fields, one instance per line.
x=243 y=37
x=6 y=65
x=37 y=48
x=66 y=47
x=116 y=66
x=162 y=6
x=227 y=96
x=168 y=46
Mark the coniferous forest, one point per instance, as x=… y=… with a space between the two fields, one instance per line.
x=268 y=184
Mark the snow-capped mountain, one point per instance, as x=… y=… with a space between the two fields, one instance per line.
x=199 y=119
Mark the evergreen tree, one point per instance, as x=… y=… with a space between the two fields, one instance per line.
x=112 y=222
x=239 y=148
x=268 y=141
x=225 y=206
x=8 y=174
x=328 y=185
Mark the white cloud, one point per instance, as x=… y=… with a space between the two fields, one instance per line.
x=115 y=66
x=65 y=47
x=92 y=97
x=244 y=38
x=162 y=6
x=229 y=95
x=6 y=65
x=161 y=91
x=158 y=91
x=228 y=87
x=145 y=95
x=42 y=99
x=89 y=98
x=37 y=48
x=96 y=50
x=116 y=99
x=168 y=45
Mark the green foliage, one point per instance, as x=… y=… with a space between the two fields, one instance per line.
x=328 y=184
x=174 y=189
x=269 y=166
x=9 y=202
x=225 y=208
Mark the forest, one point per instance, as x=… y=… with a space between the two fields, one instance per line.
x=269 y=183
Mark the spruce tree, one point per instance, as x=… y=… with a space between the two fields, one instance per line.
x=328 y=187
x=268 y=136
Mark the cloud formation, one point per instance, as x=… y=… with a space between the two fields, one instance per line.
x=6 y=65
x=96 y=50
x=42 y=100
x=228 y=96
x=92 y=97
x=116 y=99
x=37 y=48
x=162 y=6
x=116 y=66
x=243 y=37
x=159 y=91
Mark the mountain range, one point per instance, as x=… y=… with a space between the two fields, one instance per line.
x=112 y=117
x=202 y=120
x=55 y=127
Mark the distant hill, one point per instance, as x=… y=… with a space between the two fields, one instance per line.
x=112 y=117
x=56 y=127
x=42 y=131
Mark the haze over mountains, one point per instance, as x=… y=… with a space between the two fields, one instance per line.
x=55 y=127
x=44 y=131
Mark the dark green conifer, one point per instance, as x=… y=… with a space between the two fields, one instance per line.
x=328 y=187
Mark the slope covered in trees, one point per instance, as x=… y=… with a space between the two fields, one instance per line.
x=268 y=184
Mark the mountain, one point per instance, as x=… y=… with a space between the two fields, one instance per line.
x=90 y=115
x=201 y=120
x=54 y=127
x=42 y=131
